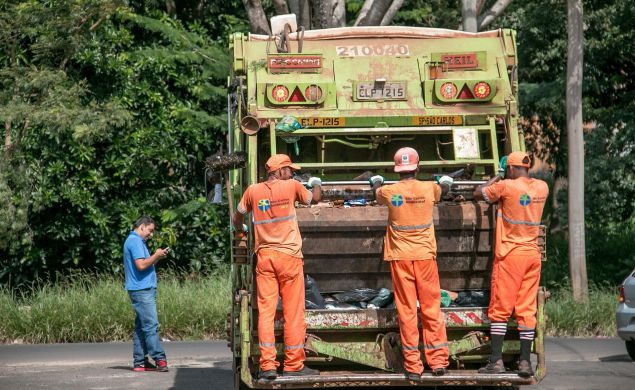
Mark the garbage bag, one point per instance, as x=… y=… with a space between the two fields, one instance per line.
x=472 y=298
x=445 y=299
x=312 y=297
x=383 y=298
x=356 y=295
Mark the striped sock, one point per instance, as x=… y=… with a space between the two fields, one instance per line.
x=499 y=328
x=526 y=339
x=497 y=335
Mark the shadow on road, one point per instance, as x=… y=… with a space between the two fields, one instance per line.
x=615 y=359
x=202 y=378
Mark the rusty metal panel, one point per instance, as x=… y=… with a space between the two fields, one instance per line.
x=343 y=247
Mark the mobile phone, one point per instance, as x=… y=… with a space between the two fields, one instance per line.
x=167 y=250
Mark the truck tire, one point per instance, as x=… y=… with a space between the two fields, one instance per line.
x=630 y=348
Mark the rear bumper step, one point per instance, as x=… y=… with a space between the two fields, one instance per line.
x=453 y=378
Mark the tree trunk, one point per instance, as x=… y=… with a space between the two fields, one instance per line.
x=302 y=12
x=257 y=18
x=390 y=14
x=372 y=12
x=488 y=17
x=7 y=134
x=322 y=14
x=170 y=6
x=468 y=15
x=281 y=7
x=575 y=142
x=339 y=13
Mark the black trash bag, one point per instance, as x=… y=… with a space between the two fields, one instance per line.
x=312 y=297
x=356 y=295
x=383 y=299
x=471 y=298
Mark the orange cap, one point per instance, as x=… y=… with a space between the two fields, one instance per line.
x=519 y=159
x=406 y=160
x=278 y=161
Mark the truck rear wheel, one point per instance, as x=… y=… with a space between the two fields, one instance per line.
x=630 y=348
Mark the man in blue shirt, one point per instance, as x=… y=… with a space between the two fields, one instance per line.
x=141 y=283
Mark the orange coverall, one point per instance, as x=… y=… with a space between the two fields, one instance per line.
x=279 y=271
x=516 y=271
x=410 y=247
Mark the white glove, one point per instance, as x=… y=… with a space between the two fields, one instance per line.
x=314 y=181
x=245 y=228
x=376 y=179
x=446 y=180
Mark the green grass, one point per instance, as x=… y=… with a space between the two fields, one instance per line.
x=93 y=309
x=596 y=317
x=86 y=308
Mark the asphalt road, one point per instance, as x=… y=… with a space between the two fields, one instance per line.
x=572 y=364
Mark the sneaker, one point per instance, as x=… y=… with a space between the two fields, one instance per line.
x=267 y=374
x=162 y=365
x=412 y=376
x=524 y=369
x=146 y=366
x=304 y=371
x=496 y=367
x=439 y=371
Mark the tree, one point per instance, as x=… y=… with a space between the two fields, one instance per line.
x=577 y=255
x=105 y=124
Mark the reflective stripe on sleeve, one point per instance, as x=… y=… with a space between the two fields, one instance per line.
x=485 y=195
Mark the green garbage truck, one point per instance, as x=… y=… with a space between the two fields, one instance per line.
x=360 y=94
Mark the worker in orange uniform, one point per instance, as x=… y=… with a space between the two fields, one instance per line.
x=410 y=247
x=278 y=246
x=516 y=271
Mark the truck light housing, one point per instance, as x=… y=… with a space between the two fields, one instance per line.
x=482 y=90
x=448 y=90
x=280 y=93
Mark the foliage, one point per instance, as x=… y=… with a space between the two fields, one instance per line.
x=111 y=116
x=74 y=309
x=596 y=317
x=608 y=106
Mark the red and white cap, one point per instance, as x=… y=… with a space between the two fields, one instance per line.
x=406 y=160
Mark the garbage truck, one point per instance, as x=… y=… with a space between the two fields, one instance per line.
x=360 y=94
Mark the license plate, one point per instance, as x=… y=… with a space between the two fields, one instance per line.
x=323 y=122
x=374 y=91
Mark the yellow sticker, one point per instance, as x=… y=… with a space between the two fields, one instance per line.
x=437 y=120
x=323 y=122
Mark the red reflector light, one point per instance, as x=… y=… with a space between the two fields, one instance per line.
x=296 y=96
x=482 y=90
x=621 y=298
x=313 y=93
x=465 y=93
x=280 y=93
x=448 y=90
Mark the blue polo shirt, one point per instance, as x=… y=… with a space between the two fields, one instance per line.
x=135 y=248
